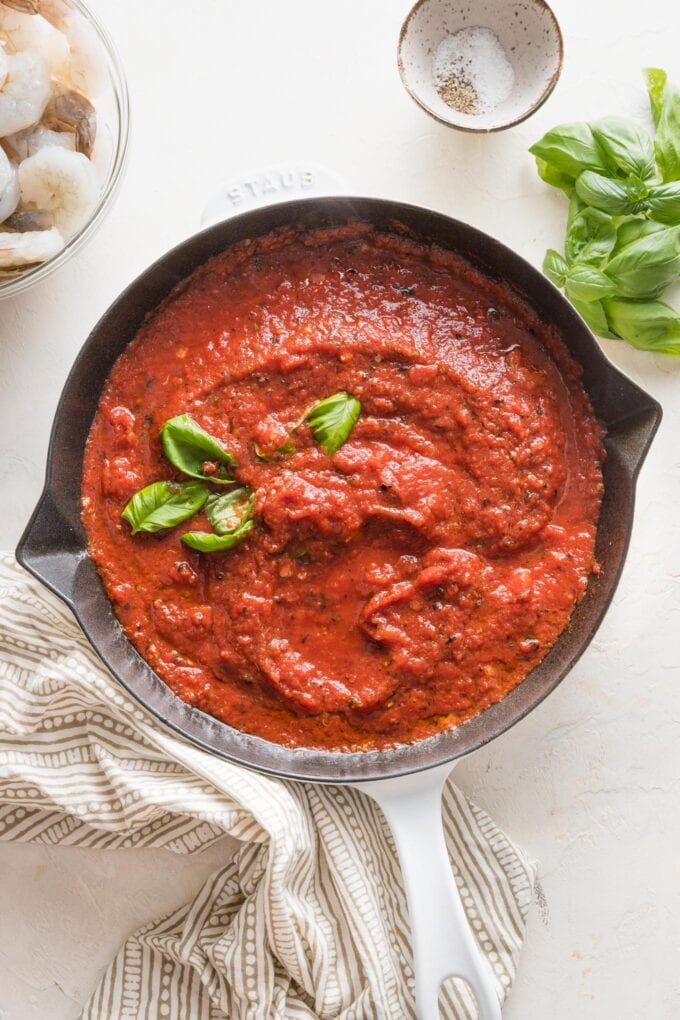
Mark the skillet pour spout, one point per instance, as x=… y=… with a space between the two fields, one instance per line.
x=53 y=547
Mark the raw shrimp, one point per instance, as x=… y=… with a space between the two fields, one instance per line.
x=68 y=110
x=26 y=249
x=25 y=92
x=26 y=143
x=61 y=182
x=9 y=187
x=23 y=32
x=9 y=198
x=36 y=219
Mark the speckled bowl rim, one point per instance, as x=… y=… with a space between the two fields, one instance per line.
x=547 y=92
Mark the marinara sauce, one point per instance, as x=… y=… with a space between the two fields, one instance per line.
x=404 y=583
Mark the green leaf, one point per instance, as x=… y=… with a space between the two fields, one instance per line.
x=627 y=147
x=590 y=237
x=555 y=267
x=228 y=512
x=663 y=203
x=163 y=505
x=612 y=196
x=647 y=325
x=586 y=283
x=188 y=447
x=632 y=230
x=207 y=541
x=593 y=313
x=332 y=420
x=556 y=178
x=280 y=451
x=656 y=82
x=570 y=149
x=576 y=206
x=646 y=267
x=665 y=99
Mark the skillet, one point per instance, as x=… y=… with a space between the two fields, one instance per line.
x=406 y=780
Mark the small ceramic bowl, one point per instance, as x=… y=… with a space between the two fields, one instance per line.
x=526 y=30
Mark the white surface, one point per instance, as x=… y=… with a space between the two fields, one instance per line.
x=590 y=782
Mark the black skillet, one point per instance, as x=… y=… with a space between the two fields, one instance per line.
x=53 y=549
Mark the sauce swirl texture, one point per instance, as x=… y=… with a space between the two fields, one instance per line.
x=404 y=583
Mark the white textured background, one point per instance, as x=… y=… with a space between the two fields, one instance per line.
x=590 y=782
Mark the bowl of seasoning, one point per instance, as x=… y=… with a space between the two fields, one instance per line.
x=481 y=65
x=63 y=134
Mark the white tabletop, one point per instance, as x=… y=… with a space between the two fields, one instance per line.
x=590 y=782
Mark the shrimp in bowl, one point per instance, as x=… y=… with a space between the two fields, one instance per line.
x=59 y=83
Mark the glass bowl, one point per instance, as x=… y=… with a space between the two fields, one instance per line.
x=110 y=150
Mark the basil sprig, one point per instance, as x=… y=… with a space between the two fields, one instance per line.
x=622 y=245
x=163 y=505
x=188 y=447
x=332 y=420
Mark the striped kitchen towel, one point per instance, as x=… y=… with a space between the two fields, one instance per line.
x=307 y=920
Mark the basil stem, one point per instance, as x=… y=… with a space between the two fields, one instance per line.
x=163 y=505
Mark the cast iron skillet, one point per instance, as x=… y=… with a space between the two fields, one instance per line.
x=53 y=547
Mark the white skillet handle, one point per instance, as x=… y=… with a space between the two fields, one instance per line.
x=443 y=945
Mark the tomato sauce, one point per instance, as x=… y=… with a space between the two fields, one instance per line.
x=406 y=582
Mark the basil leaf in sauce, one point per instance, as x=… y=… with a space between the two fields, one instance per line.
x=332 y=420
x=228 y=512
x=163 y=505
x=280 y=451
x=627 y=147
x=206 y=541
x=188 y=447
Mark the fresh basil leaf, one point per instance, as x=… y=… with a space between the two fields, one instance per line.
x=188 y=447
x=647 y=325
x=280 y=451
x=163 y=505
x=656 y=82
x=665 y=99
x=627 y=147
x=332 y=420
x=586 y=283
x=206 y=541
x=646 y=267
x=590 y=237
x=594 y=315
x=576 y=207
x=634 y=229
x=228 y=512
x=612 y=196
x=570 y=149
x=554 y=177
x=555 y=267
x=663 y=203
